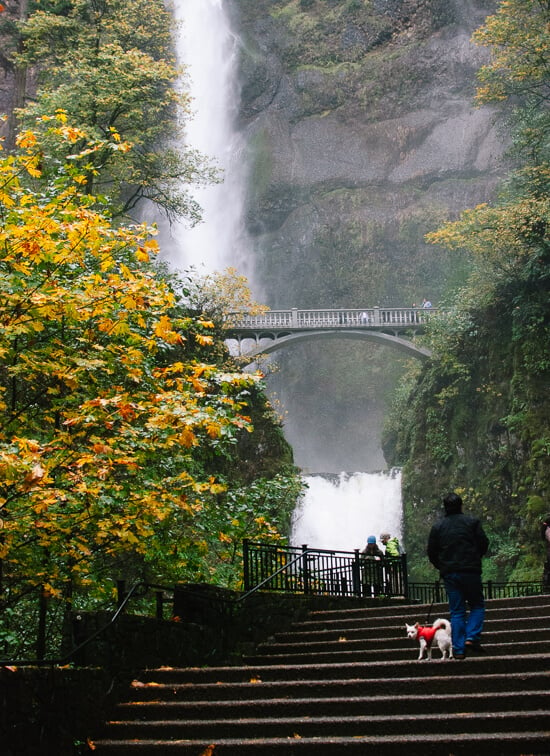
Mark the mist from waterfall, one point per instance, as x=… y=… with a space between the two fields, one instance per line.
x=340 y=511
x=208 y=48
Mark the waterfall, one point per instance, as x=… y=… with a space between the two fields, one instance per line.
x=340 y=511
x=208 y=48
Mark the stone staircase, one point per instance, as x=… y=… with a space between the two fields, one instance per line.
x=348 y=682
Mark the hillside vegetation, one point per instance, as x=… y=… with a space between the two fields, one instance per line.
x=478 y=418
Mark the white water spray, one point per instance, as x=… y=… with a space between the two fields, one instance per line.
x=208 y=48
x=340 y=511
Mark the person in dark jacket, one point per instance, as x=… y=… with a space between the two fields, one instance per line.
x=455 y=546
x=373 y=572
x=372 y=549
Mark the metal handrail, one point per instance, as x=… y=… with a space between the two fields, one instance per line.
x=270 y=577
x=67 y=657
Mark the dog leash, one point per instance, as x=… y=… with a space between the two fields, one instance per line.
x=429 y=612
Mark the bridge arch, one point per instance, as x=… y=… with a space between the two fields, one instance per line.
x=282 y=339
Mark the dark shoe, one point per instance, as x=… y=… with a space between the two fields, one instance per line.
x=474 y=648
x=459 y=657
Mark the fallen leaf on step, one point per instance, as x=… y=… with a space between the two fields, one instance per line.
x=255 y=680
x=208 y=751
x=91 y=745
x=295 y=735
x=342 y=639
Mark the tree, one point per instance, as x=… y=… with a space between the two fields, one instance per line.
x=518 y=77
x=223 y=295
x=518 y=37
x=110 y=65
x=109 y=420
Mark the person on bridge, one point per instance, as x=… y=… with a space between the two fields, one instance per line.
x=426 y=304
x=455 y=546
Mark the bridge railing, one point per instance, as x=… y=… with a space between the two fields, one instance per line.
x=294 y=319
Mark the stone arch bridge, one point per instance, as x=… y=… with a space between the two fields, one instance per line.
x=274 y=329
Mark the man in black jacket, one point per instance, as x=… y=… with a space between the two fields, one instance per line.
x=455 y=547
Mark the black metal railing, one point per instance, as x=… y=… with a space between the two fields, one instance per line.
x=291 y=569
x=47 y=638
x=434 y=593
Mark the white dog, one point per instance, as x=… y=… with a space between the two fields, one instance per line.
x=440 y=631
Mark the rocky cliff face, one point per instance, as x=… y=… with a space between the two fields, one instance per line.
x=363 y=136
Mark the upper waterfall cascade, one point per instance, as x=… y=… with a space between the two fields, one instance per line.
x=207 y=47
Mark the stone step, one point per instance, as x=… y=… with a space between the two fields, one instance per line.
x=537 y=616
x=342 y=671
x=407 y=651
x=366 y=632
x=444 y=680
x=366 y=705
x=331 y=726
x=520 y=605
x=367 y=641
x=534 y=743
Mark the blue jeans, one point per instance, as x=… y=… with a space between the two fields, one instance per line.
x=465 y=589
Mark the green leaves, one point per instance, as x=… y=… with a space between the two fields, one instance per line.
x=110 y=65
x=479 y=415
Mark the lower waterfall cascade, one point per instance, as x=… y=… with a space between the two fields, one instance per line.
x=340 y=511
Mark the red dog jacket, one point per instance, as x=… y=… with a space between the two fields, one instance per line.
x=428 y=633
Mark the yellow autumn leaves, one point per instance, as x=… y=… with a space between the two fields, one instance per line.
x=109 y=419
